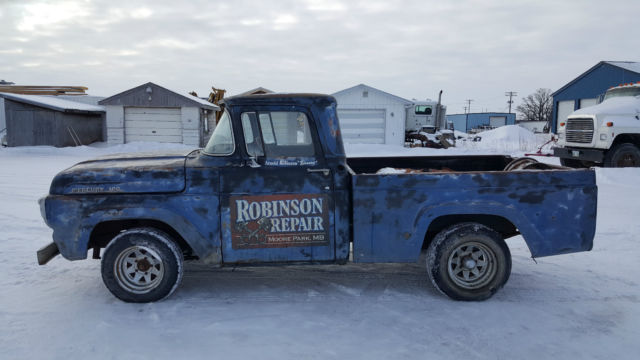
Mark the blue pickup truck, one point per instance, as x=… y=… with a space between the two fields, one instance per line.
x=273 y=185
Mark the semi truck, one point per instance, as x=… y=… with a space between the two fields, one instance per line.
x=273 y=186
x=425 y=123
x=606 y=134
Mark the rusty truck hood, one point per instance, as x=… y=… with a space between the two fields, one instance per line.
x=124 y=173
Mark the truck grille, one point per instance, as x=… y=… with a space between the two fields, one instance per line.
x=580 y=130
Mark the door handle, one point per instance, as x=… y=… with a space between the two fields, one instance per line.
x=324 y=172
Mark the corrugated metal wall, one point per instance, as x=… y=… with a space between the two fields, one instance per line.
x=29 y=125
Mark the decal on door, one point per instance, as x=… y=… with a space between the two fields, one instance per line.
x=274 y=221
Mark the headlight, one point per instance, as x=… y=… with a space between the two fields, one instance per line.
x=560 y=135
x=603 y=137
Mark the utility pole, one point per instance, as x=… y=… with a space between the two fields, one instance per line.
x=469 y=105
x=510 y=94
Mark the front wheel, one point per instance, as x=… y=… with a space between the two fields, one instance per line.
x=623 y=155
x=142 y=265
x=468 y=262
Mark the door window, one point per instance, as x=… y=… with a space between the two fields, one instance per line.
x=284 y=134
x=250 y=127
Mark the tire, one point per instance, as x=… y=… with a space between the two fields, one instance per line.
x=623 y=155
x=142 y=265
x=572 y=163
x=473 y=244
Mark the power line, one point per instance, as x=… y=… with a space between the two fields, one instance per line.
x=469 y=105
x=510 y=94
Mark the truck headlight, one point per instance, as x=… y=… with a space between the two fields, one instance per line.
x=603 y=137
x=560 y=135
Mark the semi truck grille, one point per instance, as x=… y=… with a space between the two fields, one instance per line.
x=580 y=130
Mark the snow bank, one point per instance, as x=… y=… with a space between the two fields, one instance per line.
x=504 y=139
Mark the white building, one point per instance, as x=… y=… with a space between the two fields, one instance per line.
x=371 y=116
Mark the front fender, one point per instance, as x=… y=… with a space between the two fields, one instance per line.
x=195 y=218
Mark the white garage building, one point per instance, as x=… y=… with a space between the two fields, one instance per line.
x=150 y=112
x=371 y=116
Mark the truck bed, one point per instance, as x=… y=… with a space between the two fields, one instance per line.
x=554 y=209
x=369 y=165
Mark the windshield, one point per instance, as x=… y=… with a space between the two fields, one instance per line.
x=423 y=110
x=629 y=91
x=221 y=142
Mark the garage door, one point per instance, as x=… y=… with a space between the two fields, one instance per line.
x=152 y=124
x=362 y=126
x=564 y=109
x=588 y=102
x=497 y=121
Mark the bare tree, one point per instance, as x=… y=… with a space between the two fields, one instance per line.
x=537 y=106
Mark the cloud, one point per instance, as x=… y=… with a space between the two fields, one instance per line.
x=470 y=49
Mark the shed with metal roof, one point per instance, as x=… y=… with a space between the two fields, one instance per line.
x=585 y=90
x=28 y=120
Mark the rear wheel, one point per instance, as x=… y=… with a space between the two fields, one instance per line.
x=468 y=262
x=623 y=155
x=142 y=265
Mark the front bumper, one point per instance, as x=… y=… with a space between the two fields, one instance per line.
x=47 y=253
x=595 y=155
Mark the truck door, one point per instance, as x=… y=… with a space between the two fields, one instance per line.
x=277 y=205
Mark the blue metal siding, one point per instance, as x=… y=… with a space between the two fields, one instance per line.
x=466 y=122
x=592 y=85
x=459 y=121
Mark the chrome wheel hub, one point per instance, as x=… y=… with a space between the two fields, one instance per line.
x=472 y=265
x=138 y=269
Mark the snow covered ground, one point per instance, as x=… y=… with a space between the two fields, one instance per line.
x=577 y=306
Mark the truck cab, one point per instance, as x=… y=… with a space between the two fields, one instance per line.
x=282 y=175
x=604 y=134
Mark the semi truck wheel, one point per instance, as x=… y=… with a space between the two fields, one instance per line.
x=468 y=262
x=623 y=155
x=142 y=265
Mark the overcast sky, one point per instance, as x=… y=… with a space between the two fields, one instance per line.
x=470 y=49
